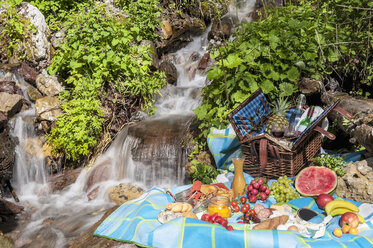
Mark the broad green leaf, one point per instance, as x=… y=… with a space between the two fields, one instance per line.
x=286 y=89
x=293 y=74
x=267 y=86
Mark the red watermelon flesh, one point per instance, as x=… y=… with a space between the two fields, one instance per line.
x=313 y=181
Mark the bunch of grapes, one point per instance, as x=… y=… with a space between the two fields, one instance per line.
x=257 y=190
x=282 y=191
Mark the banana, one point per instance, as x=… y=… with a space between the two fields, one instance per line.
x=340 y=204
x=339 y=211
x=361 y=219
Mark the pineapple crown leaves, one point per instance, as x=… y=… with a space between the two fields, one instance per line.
x=281 y=106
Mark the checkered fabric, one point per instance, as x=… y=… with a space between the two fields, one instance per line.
x=244 y=124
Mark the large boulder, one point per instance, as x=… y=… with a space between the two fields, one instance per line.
x=48 y=108
x=124 y=192
x=222 y=30
x=3 y=121
x=357 y=184
x=39 y=48
x=33 y=94
x=29 y=73
x=10 y=104
x=10 y=87
x=170 y=70
x=48 y=85
x=7 y=157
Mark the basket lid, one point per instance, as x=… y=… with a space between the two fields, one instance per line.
x=246 y=119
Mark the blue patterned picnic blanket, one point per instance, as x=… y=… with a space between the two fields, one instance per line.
x=136 y=222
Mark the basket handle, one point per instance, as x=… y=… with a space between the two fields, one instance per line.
x=326 y=133
x=344 y=112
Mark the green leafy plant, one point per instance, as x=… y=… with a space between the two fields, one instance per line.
x=337 y=164
x=204 y=173
x=312 y=39
x=100 y=52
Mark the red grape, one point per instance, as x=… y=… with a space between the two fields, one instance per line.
x=268 y=192
x=250 y=187
x=252 y=199
x=260 y=181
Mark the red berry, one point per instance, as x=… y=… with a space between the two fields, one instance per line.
x=229 y=228
x=263 y=196
x=254 y=192
x=252 y=182
x=223 y=222
x=250 y=187
x=256 y=185
x=205 y=217
x=268 y=192
x=262 y=188
x=260 y=181
x=252 y=199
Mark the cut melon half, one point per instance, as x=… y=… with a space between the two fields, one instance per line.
x=314 y=180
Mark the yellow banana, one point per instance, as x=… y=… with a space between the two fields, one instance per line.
x=340 y=204
x=361 y=219
x=340 y=211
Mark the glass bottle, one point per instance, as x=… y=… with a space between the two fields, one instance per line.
x=291 y=131
x=220 y=205
x=238 y=183
x=306 y=121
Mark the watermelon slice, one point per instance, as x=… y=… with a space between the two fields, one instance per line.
x=314 y=180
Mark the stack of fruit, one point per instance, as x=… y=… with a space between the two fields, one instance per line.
x=257 y=190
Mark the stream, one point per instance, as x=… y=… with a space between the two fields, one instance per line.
x=148 y=153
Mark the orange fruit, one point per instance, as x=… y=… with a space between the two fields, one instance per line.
x=337 y=232
x=346 y=228
x=354 y=231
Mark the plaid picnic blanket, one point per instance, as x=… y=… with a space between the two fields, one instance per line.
x=136 y=222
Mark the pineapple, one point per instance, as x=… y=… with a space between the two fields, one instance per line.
x=278 y=114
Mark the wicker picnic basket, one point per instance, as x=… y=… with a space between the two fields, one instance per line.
x=266 y=155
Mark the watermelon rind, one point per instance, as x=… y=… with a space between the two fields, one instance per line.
x=310 y=194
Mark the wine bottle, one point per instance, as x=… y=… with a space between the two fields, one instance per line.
x=306 y=121
x=291 y=131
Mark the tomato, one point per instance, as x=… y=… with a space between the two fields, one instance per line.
x=234 y=203
x=243 y=199
x=229 y=228
x=247 y=205
x=223 y=222
x=244 y=209
x=252 y=211
x=205 y=217
x=236 y=208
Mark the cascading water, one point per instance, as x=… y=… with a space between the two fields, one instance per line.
x=147 y=153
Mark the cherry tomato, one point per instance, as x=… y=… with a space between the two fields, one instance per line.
x=243 y=199
x=229 y=228
x=252 y=211
x=236 y=208
x=244 y=209
x=247 y=205
x=234 y=203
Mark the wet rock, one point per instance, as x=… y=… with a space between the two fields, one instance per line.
x=93 y=193
x=166 y=29
x=191 y=72
x=33 y=94
x=99 y=173
x=48 y=108
x=204 y=62
x=48 y=85
x=139 y=116
x=14 y=208
x=10 y=87
x=88 y=240
x=7 y=218
x=124 y=192
x=32 y=147
x=3 y=121
x=194 y=57
x=222 y=30
x=170 y=70
x=6 y=242
x=59 y=181
x=9 y=76
x=10 y=104
x=39 y=47
x=357 y=184
x=310 y=86
x=29 y=73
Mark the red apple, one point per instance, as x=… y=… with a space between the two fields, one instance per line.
x=350 y=219
x=323 y=199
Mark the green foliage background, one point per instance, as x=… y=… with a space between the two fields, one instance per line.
x=314 y=39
